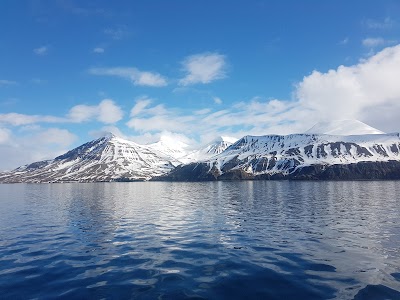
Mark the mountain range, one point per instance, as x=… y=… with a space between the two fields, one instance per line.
x=344 y=149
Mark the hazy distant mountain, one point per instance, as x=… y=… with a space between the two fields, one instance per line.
x=106 y=159
x=213 y=148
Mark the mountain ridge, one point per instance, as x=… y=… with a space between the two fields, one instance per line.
x=282 y=156
x=374 y=155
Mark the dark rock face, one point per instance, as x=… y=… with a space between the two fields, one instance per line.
x=190 y=172
x=37 y=165
x=90 y=150
x=357 y=171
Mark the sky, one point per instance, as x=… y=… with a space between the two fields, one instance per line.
x=193 y=70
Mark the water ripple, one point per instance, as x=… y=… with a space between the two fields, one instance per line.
x=216 y=240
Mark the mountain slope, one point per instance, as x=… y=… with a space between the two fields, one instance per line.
x=285 y=156
x=170 y=147
x=106 y=159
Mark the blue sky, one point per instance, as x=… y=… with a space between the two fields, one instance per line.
x=71 y=70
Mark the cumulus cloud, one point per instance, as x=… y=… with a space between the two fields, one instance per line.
x=43 y=50
x=357 y=91
x=203 y=68
x=81 y=113
x=53 y=142
x=61 y=137
x=109 y=112
x=139 y=78
x=367 y=91
x=106 y=112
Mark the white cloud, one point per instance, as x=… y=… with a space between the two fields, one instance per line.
x=61 y=137
x=109 y=112
x=368 y=91
x=5 y=82
x=202 y=111
x=17 y=119
x=43 y=50
x=217 y=100
x=98 y=50
x=149 y=79
x=156 y=123
x=387 y=23
x=376 y=42
x=4 y=135
x=106 y=112
x=140 y=105
x=81 y=113
x=357 y=91
x=53 y=142
x=157 y=118
x=203 y=68
x=373 y=42
x=140 y=78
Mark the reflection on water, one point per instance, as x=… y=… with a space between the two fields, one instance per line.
x=225 y=240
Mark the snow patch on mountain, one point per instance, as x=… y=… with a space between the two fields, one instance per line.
x=284 y=154
x=171 y=147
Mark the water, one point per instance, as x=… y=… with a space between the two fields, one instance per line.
x=214 y=240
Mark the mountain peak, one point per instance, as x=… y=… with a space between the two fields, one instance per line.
x=226 y=139
x=109 y=135
x=343 y=127
x=171 y=146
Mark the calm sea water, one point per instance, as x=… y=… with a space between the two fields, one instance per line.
x=215 y=240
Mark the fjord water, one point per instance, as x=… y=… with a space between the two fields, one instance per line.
x=214 y=240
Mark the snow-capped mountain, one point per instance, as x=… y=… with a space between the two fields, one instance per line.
x=301 y=156
x=213 y=148
x=106 y=159
x=171 y=147
x=353 y=155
